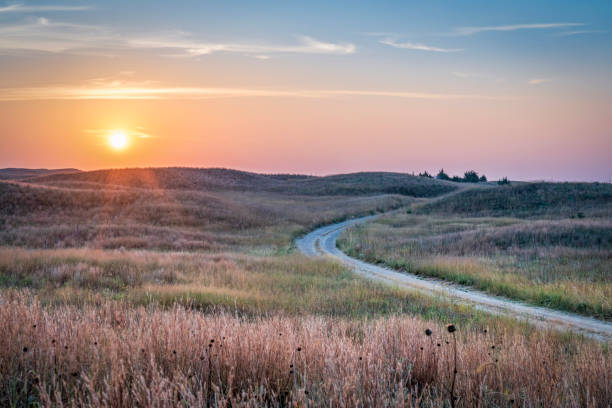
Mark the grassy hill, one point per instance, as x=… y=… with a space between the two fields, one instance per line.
x=529 y=200
x=215 y=179
x=20 y=174
x=95 y=215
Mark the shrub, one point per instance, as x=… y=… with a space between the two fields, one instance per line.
x=471 y=176
x=442 y=175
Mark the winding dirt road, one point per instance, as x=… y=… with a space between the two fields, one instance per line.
x=322 y=241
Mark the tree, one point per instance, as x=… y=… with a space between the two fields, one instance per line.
x=503 y=181
x=471 y=176
x=442 y=175
x=425 y=174
x=483 y=179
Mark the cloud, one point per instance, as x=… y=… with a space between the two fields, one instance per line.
x=578 y=32
x=22 y=8
x=415 y=46
x=132 y=91
x=512 y=27
x=138 y=131
x=538 y=81
x=183 y=45
x=45 y=35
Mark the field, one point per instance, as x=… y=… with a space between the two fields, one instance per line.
x=558 y=257
x=168 y=287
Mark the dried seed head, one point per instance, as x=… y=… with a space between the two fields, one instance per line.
x=299 y=349
x=25 y=349
x=428 y=332
x=451 y=328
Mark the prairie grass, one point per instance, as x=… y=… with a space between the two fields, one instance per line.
x=113 y=285
x=116 y=355
x=528 y=200
x=563 y=264
x=37 y=216
x=217 y=179
x=244 y=284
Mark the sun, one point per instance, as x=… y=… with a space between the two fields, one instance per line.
x=118 y=139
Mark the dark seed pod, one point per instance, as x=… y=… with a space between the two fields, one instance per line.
x=428 y=332
x=451 y=328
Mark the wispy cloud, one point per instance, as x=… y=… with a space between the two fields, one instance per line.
x=578 y=32
x=183 y=45
x=45 y=35
x=512 y=27
x=538 y=81
x=134 y=92
x=138 y=131
x=416 y=46
x=22 y=8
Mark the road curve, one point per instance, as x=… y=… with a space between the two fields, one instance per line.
x=322 y=241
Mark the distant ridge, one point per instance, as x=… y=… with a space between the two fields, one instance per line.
x=219 y=179
x=13 y=173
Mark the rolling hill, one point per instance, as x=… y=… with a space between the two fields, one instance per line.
x=528 y=200
x=216 y=179
x=12 y=173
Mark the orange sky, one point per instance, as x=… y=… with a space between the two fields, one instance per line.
x=286 y=89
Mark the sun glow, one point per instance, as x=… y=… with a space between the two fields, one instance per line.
x=118 y=140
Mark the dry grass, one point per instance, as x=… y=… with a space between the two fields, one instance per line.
x=114 y=283
x=244 y=284
x=529 y=200
x=563 y=264
x=50 y=217
x=215 y=179
x=114 y=355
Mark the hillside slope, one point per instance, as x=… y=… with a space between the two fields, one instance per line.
x=529 y=200
x=215 y=179
x=12 y=173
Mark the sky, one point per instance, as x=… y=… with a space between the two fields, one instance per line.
x=521 y=89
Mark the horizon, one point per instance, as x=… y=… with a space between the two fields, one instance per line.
x=410 y=173
x=511 y=90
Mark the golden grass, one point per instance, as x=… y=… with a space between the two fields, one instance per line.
x=116 y=355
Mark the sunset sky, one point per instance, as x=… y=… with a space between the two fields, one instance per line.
x=521 y=89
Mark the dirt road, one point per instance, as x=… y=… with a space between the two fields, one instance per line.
x=322 y=241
